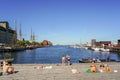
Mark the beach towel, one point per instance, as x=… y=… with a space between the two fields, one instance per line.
x=89 y=71
x=47 y=67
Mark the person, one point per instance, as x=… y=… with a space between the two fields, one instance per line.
x=40 y=66
x=63 y=59
x=108 y=59
x=7 y=69
x=68 y=59
x=102 y=65
x=93 y=67
x=93 y=60
x=97 y=60
x=107 y=68
x=10 y=69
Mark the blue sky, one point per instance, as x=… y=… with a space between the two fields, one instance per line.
x=64 y=21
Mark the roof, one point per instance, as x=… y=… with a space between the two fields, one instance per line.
x=3 y=22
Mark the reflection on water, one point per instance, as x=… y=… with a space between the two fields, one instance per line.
x=53 y=54
x=5 y=55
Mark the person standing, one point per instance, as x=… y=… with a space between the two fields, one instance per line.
x=63 y=59
x=68 y=59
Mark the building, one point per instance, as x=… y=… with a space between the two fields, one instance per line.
x=93 y=42
x=8 y=36
x=119 y=43
x=46 y=43
x=103 y=44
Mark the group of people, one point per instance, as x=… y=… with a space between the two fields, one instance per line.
x=7 y=68
x=102 y=67
x=66 y=58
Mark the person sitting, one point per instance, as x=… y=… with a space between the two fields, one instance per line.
x=40 y=66
x=93 y=60
x=102 y=65
x=107 y=69
x=93 y=67
x=97 y=60
x=7 y=69
x=10 y=69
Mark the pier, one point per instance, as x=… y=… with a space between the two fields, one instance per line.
x=61 y=72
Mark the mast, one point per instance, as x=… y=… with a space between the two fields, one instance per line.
x=15 y=34
x=31 y=36
x=15 y=25
x=20 y=33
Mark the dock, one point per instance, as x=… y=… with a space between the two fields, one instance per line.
x=115 y=49
x=11 y=49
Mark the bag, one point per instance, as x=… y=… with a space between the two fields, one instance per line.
x=0 y=73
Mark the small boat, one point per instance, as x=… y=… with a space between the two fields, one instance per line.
x=101 y=60
x=85 y=61
x=104 y=50
x=30 y=47
x=96 y=49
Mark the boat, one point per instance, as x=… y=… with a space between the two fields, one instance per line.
x=84 y=60
x=101 y=60
x=104 y=50
x=30 y=47
x=96 y=49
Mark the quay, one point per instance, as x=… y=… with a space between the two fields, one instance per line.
x=11 y=49
x=61 y=72
x=115 y=49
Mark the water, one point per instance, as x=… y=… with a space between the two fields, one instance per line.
x=53 y=54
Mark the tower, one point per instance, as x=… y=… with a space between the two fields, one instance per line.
x=93 y=42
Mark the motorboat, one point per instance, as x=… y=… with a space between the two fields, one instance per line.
x=96 y=49
x=105 y=50
x=84 y=60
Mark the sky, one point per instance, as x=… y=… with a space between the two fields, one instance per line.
x=64 y=21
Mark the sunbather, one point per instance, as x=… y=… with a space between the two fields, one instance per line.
x=107 y=69
x=93 y=67
x=7 y=69
x=10 y=69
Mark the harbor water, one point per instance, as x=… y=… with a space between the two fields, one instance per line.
x=53 y=54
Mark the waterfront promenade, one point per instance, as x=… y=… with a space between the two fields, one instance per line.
x=60 y=72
